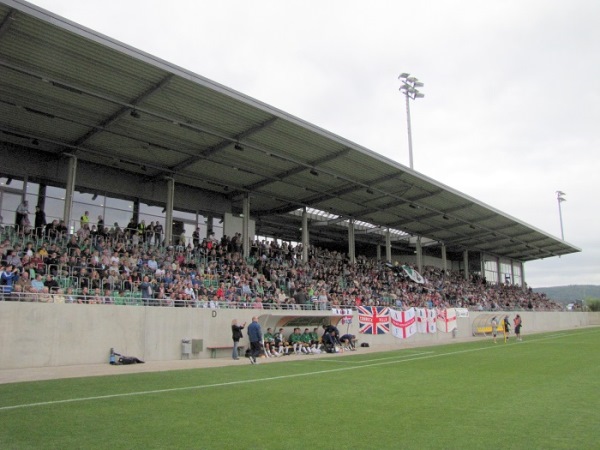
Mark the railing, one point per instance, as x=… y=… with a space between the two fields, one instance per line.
x=136 y=299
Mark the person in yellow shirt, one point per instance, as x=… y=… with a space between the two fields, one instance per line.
x=85 y=219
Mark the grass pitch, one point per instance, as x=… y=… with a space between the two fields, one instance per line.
x=539 y=393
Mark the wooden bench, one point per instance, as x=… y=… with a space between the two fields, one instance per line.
x=213 y=350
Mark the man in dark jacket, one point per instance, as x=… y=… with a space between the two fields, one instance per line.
x=255 y=336
x=236 y=332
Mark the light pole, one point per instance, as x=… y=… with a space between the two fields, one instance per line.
x=560 y=197
x=410 y=91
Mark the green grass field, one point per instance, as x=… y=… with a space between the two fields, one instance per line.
x=542 y=393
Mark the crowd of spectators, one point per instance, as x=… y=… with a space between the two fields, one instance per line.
x=110 y=265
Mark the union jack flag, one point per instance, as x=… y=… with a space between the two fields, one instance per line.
x=373 y=319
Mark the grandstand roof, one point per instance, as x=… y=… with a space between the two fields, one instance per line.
x=68 y=89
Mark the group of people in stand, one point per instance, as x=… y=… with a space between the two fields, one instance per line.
x=23 y=224
x=505 y=323
x=272 y=344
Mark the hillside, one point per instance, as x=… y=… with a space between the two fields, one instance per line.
x=567 y=294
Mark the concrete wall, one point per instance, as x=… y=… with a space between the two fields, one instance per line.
x=40 y=335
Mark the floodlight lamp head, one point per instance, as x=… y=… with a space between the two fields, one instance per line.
x=403 y=76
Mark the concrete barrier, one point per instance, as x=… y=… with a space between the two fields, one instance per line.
x=46 y=335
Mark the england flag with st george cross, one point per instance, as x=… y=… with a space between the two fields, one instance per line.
x=346 y=314
x=404 y=323
x=373 y=319
x=446 y=321
x=426 y=320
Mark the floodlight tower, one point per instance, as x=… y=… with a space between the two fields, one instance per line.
x=410 y=91
x=560 y=197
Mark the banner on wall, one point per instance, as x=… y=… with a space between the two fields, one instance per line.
x=462 y=312
x=446 y=320
x=341 y=311
x=426 y=320
x=373 y=319
x=403 y=323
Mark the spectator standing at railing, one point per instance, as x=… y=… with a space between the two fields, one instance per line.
x=62 y=230
x=158 y=230
x=147 y=291
x=131 y=228
x=141 y=229
x=300 y=297
x=322 y=300
x=196 y=237
x=149 y=233
x=84 y=220
x=21 y=213
x=39 y=221
x=100 y=227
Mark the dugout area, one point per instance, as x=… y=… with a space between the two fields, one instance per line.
x=482 y=324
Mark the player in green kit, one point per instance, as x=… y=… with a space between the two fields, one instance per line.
x=296 y=341
x=269 y=340
x=306 y=341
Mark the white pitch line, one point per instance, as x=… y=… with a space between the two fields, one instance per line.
x=398 y=357
x=258 y=380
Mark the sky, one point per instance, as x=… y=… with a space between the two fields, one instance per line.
x=511 y=112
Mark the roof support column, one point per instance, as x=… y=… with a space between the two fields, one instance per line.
x=419 y=255
x=378 y=252
x=444 y=258
x=304 y=235
x=523 y=284
x=499 y=273
x=351 y=254
x=69 y=189
x=466 y=264
x=512 y=273
x=246 y=225
x=169 y=211
x=388 y=246
x=209 y=226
